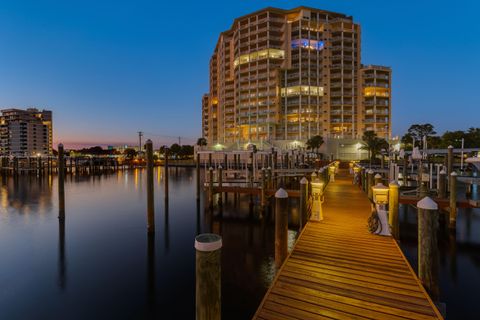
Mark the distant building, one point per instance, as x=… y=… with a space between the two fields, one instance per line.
x=26 y=132
x=279 y=77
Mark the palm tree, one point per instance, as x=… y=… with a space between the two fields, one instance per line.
x=373 y=144
x=314 y=143
x=201 y=142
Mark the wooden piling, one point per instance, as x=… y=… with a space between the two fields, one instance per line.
x=165 y=180
x=442 y=186
x=393 y=196
x=449 y=160
x=150 y=192
x=303 y=202
x=61 y=181
x=428 y=246
x=39 y=165
x=15 y=165
x=208 y=276
x=370 y=184
x=220 y=181
x=210 y=187
x=453 y=199
x=281 y=226
x=263 y=200
x=198 y=175
x=363 y=177
x=269 y=173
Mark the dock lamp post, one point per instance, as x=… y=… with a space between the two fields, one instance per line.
x=380 y=198
x=317 y=195
x=331 y=172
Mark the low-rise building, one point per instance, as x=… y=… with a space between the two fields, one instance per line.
x=26 y=133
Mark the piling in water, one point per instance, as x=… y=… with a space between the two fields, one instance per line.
x=428 y=246
x=210 y=187
x=220 y=181
x=263 y=200
x=303 y=201
x=281 y=226
x=166 y=174
x=150 y=195
x=208 y=276
x=393 y=221
x=61 y=181
x=453 y=200
x=450 y=160
x=370 y=182
x=442 y=186
x=198 y=176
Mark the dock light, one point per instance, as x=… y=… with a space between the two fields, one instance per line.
x=331 y=169
x=331 y=172
x=317 y=195
x=380 y=194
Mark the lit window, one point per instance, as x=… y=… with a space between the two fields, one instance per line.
x=308 y=44
x=376 y=91
x=259 y=55
x=304 y=90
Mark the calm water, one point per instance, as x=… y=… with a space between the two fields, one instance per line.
x=101 y=264
x=459 y=258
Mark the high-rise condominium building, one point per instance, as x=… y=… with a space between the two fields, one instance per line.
x=283 y=76
x=25 y=132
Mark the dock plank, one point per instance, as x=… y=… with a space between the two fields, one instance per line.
x=338 y=270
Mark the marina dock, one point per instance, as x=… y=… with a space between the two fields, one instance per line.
x=338 y=270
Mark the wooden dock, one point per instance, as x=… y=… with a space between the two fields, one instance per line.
x=338 y=270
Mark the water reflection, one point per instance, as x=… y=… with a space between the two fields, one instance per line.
x=459 y=258
x=62 y=264
x=111 y=267
x=199 y=222
x=26 y=194
x=166 y=228
x=151 y=272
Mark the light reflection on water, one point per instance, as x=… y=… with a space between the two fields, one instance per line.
x=459 y=256
x=100 y=261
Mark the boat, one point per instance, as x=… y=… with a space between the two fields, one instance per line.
x=475 y=161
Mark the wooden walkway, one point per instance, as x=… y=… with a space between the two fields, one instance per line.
x=338 y=270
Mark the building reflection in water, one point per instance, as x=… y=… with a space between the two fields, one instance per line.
x=26 y=194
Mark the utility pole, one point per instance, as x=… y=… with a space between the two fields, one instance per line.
x=140 y=135
x=179 y=141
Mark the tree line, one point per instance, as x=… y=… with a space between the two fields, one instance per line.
x=416 y=133
x=175 y=151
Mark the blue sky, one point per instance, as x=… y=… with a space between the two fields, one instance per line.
x=108 y=69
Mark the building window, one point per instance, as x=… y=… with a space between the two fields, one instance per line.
x=308 y=44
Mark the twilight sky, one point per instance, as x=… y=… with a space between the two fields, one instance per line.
x=108 y=69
